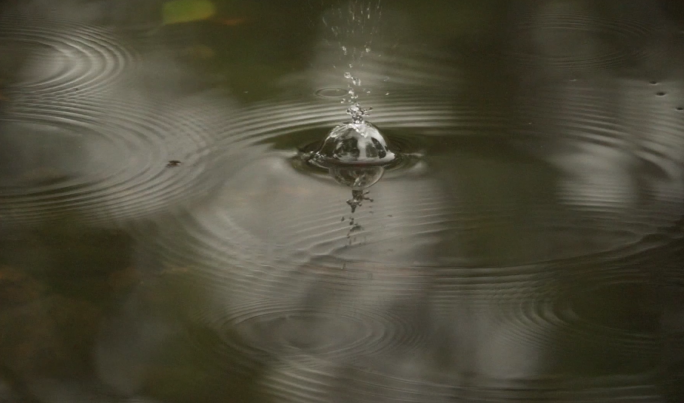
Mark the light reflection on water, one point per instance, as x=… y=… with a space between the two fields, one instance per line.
x=162 y=239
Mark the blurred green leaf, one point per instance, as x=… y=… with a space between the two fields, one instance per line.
x=179 y=11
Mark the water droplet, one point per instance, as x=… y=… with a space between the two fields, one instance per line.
x=347 y=75
x=344 y=49
x=368 y=50
x=387 y=93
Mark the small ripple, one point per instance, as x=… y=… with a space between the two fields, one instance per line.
x=332 y=93
x=587 y=41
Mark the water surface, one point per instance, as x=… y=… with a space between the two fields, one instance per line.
x=163 y=236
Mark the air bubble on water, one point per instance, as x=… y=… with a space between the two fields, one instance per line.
x=354 y=146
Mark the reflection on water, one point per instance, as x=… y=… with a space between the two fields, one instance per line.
x=170 y=229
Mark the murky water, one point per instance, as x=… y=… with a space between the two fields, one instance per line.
x=176 y=222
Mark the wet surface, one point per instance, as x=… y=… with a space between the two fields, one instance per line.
x=174 y=225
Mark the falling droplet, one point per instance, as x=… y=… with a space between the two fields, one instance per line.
x=368 y=50
x=347 y=75
x=344 y=49
x=358 y=197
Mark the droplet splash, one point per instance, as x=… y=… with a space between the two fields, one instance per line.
x=355 y=152
x=355 y=155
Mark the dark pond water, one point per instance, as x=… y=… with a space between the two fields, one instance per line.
x=165 y=236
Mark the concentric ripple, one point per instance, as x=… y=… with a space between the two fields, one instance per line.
x=84 y=139
x=406 y=379
x=262 y=330
x=620 y=177
x=104 y=167
x=611 y=311
x=64 y=61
